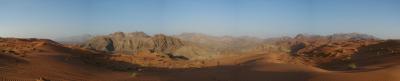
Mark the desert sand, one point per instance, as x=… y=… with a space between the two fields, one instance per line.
x=46 y=60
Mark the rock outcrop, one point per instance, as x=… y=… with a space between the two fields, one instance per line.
x=134 y=42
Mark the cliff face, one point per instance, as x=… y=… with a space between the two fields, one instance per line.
x=99 y=43
x=134 y=42
x=162 y=43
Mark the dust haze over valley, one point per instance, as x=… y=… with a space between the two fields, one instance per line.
x=199 y=40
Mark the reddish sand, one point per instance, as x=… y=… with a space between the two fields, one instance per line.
x=57 y=63
x=55 y=66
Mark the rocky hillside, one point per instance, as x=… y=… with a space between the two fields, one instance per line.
x=15 y=50
x=388 y=49
x=324 y=51
x=188 y=45
x=21 y=47
x=134 y=42
x=223 y=44
x=313 y=49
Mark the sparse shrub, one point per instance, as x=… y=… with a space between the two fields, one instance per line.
x=284 y=49
x=120 y=68
x=133 y=74
x=325 y=54
x=348 y=58
x=352 y=66
x=146 y=64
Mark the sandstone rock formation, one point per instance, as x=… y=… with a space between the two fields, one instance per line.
x=134 y=42
x=313 y=49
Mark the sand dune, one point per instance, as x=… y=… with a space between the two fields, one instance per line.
x=33 y=59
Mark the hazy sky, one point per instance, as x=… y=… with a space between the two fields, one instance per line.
x=262 y=18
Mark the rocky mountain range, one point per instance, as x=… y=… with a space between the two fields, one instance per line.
x=201 y=46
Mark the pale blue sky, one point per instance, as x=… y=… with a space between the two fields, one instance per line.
x=261 y=18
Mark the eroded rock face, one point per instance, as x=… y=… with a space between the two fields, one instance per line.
x=100 y=43
x=314 y=48
x=164 y=43
x=131 y=43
